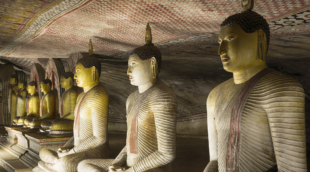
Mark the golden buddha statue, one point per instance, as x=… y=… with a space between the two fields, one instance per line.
x=256 y=120
x=48 y=105
x=90 y=122
x=21 y=103
x=33 y=105
x=64 y=126
x=13 y=91
x=151 y=118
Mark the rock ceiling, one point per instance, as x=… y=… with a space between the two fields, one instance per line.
x=33 y=30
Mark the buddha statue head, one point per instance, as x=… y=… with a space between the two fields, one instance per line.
x=244 y=39
x=46 y=86
x=32 y=87
x=144 y=62
x=87 y=70
x=66 y=80
x=22 y=85
x=13 y=79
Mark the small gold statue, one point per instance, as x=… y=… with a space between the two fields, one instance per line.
x=64 y=126
x=90 y=123
x=33 y=105
x=21 y=103
x=151 y=118
x=256 y=120
x=48 y=105
x=13 y=91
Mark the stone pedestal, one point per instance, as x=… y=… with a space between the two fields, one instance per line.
x=25 y=144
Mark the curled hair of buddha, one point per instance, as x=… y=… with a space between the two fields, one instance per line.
x=90 y=60
x=249 y=21
x=68 y=75
x=24 y=83
x=148 y=50
x=47 y=81
x=15 y=77
x=33 y=83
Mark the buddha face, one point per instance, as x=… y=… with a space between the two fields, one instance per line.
x=66 y=83
x=13 y=81
x=238 y=49
x=31 y=89
x=45 y=88
x=139 y=71
x=21 y=86
x=83 y=76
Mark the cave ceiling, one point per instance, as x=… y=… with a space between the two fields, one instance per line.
x=32 y=31
x=185 y=31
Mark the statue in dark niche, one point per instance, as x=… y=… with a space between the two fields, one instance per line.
x=33 y=105
x=13 y=91
x=90 y=128
x=256 y=120
x=21 y=103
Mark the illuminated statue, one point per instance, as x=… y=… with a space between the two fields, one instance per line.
x=33 y=105
x=21 y=103
x=13 y=89
x=151 y=118
x=90 y=123
x=48 y=105
x=64 y=126
x=256 y=120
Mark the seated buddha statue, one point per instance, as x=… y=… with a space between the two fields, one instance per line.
x=48 y=105
x=21 y=103
x=90 y=122
x=13 y=91
x=64 y=126
x=256 y=120
x=33 y=105
x=151 y=118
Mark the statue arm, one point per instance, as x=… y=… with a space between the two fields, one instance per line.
x=286 y=115
x=212 y=135
x=165 y=122
x=73 y=96
x=50 y=107
x=69 y=144
x=99 y=109
x=121 y=158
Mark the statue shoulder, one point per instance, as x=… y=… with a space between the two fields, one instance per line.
x=224 y=85
x=98 y=92
x=162 y=91
x=132 y=97
x=279 y=80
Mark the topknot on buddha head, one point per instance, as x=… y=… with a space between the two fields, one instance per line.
x=148 y=50
x=249 y=21
x=90 y=60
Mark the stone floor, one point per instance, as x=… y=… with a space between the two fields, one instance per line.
x=192 y=154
